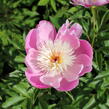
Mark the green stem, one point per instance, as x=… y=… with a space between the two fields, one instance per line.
x=103 y=19
x=70 y=96
x=35 y=96
x=95 y=23
x=101 y=77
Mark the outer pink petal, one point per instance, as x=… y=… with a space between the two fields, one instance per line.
x=83 y=59
x=35 y=80
x=86 y=61
x=85 y=70
x=100 y=2
x=31 y=40
x=72 y=40
x=51 y=80
x=86 y=3
x=63 y=29
x=31 y=60
x=76 y=30
x=45 y=31
x=67 y=86
x=70 y=35
x=89 y=3
x=73 y=72
x=85 y=48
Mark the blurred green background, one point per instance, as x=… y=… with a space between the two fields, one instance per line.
x=17 y=17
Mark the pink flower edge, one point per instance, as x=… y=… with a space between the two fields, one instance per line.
x=89 y=3
x=67 y=36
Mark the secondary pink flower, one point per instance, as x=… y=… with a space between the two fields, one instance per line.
x=89 y=3
x=57 y=59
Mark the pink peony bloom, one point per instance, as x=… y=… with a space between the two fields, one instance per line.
x=89 y=3
x=57 y=59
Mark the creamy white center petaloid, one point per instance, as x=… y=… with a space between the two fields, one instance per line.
x=55 y=56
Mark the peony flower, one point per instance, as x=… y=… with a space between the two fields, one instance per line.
x=89 y=3
x=57 y=59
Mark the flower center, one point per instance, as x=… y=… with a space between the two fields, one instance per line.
x=55 y=56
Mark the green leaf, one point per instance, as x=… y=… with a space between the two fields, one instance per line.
x=61 y=12
x=43 y=2
x=63 y=2
x=12 y=101
x=0 y=98
x=74 y=9
x=21 y=89
x=55 y=21
x=102 y=75
x=96 y=66
x=19 y=59
x=43 y=104
x=90 y=103
x=106 y=43
x=53 y=4
x=51 y=106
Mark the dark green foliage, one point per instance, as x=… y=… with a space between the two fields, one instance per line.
x=17 y=17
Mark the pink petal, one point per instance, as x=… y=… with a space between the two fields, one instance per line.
x=76 y=30
x=85 y=70
x=34 y=80
x=86 y=3
x=63 y=29
x=83 y=59
x=99 y=2
x=67 y=86
x=43 y=32
x=86 y=61
x=31 y=60
x=85 y=48
x=51 y=80
x=70 y=35
x=46 y=31
x=31 y=40
x=89 y=3
x=72 y=72
x=72 y=40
